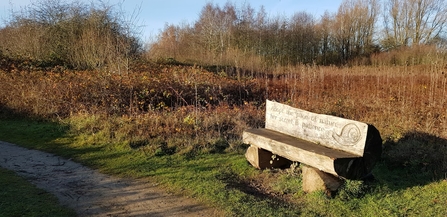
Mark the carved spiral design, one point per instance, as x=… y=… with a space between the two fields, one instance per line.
x=350 y=135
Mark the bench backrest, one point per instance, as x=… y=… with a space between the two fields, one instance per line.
x=330 y=131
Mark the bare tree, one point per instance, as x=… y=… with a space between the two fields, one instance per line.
x=354 y=26
x=303 y=43
x=323 y=29
x=215 y=27
x=413 y=22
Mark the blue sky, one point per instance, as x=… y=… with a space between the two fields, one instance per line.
x=154 y=14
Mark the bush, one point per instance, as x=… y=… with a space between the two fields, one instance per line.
x=75 y=35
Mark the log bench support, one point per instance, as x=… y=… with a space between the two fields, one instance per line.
x=263 y=159
x=330 y=148
x=315 y=180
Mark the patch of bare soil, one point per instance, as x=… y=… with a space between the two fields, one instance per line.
x=91 y=193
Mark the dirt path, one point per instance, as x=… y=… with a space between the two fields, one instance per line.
x=91 y=193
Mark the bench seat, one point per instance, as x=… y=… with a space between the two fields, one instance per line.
x=296 y=149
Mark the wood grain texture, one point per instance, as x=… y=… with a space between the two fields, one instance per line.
x=295 y=149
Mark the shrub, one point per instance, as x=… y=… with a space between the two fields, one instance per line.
x=71 y=34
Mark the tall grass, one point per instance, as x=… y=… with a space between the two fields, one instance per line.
x=164 y=114
x=161 y=101
x=397 y=99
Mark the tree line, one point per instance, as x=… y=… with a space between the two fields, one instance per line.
x=96 y=35
x=244 y=36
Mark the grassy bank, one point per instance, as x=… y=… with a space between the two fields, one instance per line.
x=181 y=126
x=226 y=181
x=215 y=178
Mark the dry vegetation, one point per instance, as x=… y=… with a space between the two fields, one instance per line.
x=71 y=35
x=186 y=108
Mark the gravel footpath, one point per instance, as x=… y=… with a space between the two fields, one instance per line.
x=91 y=193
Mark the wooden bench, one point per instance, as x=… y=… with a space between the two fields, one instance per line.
x=329 y=147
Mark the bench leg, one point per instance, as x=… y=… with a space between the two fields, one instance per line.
x=262 y=159
x=315 y=179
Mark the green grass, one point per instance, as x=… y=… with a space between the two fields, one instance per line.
x=20 y=198
x=221 y=179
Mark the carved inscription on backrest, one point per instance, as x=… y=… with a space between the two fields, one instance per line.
x=330 y=131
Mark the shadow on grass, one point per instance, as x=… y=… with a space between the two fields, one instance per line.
x=7 y=113
x=35 y=132
x=416 y=159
